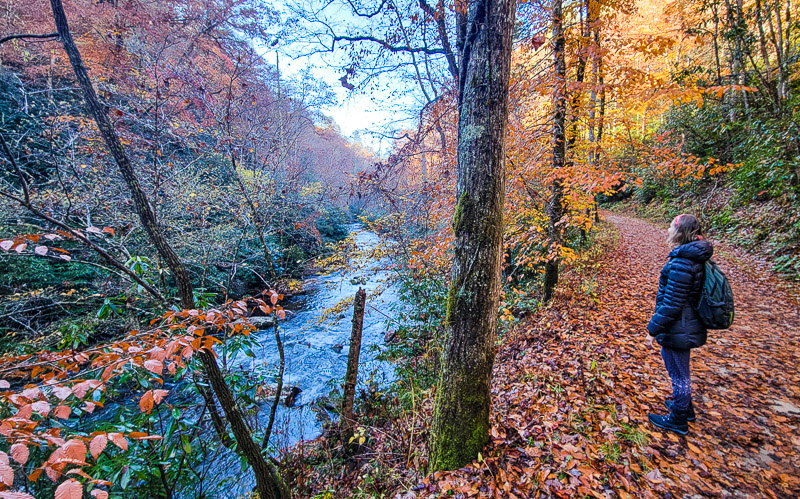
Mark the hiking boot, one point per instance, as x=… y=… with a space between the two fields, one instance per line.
x=674 y=421
x=690 y=416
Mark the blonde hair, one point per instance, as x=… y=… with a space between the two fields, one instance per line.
x=684 y=229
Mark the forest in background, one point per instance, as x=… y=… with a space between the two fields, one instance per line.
x=643 y=107
x=247 y=176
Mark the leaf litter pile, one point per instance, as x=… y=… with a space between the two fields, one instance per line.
x=573 y=385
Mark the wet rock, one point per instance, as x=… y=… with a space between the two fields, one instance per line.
x=257 y=322
x=391 y=337
x=337 y=348
x=291 y=398
x=261 y=322
x=324 y=403
x=267 y=392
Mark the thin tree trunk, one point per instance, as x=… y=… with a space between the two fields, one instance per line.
x=555 y=209
x=216 y=419
x=461 y=410
x=351 y=378
x=279 y=388
x=269 y=483
x=772 y=91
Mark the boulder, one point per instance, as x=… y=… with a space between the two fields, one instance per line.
x=260 y=322
x=290 y=399
x=391 y=337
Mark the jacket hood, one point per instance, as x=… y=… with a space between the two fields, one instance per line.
x=699 y=251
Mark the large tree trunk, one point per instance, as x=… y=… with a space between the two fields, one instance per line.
x=555 y=209
x=269 y=483
x=461 y=417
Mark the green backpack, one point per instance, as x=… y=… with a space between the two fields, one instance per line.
x=715 y=307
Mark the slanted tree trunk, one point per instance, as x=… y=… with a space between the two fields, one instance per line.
x=269 y=483
x=278 y=389
x=555 y=210
x=461 y=414
x=351 y=378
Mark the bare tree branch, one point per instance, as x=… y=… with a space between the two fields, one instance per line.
x=26 y=35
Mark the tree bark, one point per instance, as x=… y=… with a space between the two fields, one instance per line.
x=351 y=378
x=279 y=388
x=461 y=414
x=555 y=210
x=269 y=483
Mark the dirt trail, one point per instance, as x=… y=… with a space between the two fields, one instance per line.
x=746 y=379
x=574 y=383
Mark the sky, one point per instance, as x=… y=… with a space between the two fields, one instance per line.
x=388 y=106
x=356 y=112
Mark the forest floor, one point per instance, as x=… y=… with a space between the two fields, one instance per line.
x=573 y=386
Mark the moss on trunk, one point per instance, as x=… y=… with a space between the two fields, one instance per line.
x=461 y=418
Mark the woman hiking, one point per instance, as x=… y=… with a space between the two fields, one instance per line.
x=675 y=324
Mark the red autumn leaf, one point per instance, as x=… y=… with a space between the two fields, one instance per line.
x=62 y=411
x=119 y=440
x=98 y=445
x=8 y=494
x=75 y=450
x=19 y=453
x=71 y=489
x=61 y=392
x=41 y=407
x=154 y=366
x=146 y=402
x=158 y=395
x=6 y=473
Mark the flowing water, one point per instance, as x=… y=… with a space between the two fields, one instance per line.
x=316 y=359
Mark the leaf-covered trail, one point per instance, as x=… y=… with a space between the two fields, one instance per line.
x=746 y=379
x=573 y=387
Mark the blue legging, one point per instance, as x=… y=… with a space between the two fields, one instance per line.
x=677 y=363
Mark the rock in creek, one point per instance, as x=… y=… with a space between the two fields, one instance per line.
x=257 y=322
x=290 y=399
x=267 y=393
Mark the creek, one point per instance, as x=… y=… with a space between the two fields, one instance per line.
x=316 y=358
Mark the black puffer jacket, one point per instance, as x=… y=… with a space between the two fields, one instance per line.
x=675 y=323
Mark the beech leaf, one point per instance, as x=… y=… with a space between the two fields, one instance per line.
x=19 y=453
x=154 y=366
x=62 y=411
x=146 y=402
x=71 y=489
x=97 y=445
x=10 y=494
x=119 y=440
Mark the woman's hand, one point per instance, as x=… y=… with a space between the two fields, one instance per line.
x=648 y=342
